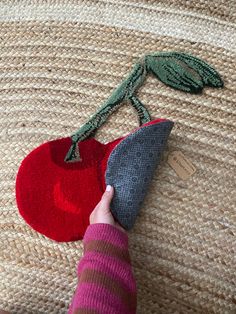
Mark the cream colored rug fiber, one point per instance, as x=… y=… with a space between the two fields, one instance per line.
x=59 y=60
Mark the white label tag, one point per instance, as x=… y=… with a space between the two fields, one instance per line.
x=181 y=165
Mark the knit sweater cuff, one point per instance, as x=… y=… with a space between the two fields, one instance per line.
x=107 y=233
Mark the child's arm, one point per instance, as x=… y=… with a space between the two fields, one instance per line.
x=106 y=284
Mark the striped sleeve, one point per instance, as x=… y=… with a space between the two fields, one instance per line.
x=105 y=279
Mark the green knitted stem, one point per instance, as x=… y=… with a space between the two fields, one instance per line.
x=178 y=70
x=122 y=93
x=143 y=113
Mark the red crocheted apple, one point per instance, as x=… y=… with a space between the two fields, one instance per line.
x=55 y=197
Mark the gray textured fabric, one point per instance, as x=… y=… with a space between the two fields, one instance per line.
x=130 y=169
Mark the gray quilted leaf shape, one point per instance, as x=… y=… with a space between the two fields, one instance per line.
x=131 y=166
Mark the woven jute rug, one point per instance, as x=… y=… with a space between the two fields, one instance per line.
x=59 y=60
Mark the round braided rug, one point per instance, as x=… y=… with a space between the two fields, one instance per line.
x=59 y=60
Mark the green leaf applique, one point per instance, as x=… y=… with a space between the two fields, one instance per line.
x=183 y=71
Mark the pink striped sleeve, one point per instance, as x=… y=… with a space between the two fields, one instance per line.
x=105 y=279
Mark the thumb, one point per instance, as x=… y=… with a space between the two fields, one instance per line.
x=107 y=197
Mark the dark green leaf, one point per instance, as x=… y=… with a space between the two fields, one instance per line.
x=175 y=73
x=208 y=74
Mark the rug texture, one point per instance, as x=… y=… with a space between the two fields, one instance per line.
x=59 y=60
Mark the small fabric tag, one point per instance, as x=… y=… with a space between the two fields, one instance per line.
x=181 y=165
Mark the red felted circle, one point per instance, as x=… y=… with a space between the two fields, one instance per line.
x=55 y=197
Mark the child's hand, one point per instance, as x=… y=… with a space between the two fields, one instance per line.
x=102 y=213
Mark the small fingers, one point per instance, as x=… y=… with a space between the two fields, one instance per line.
x=107 y=197
x=104 y=205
